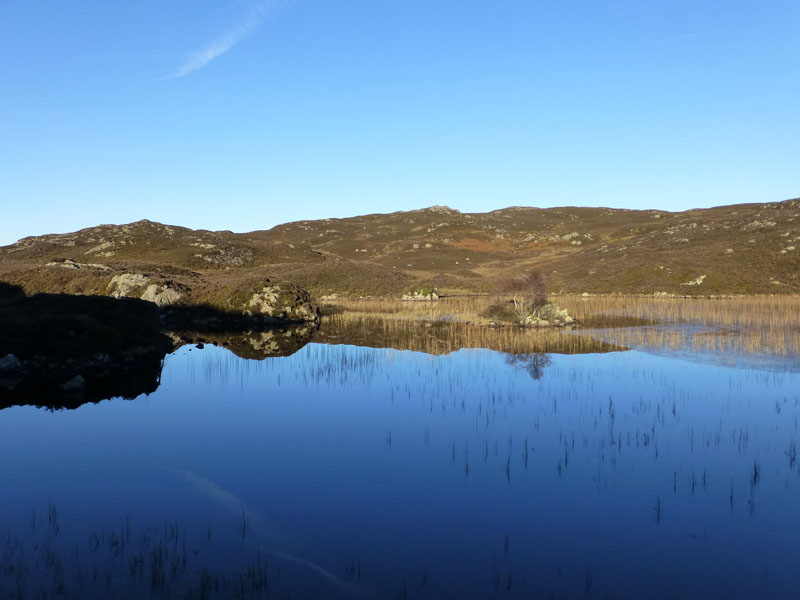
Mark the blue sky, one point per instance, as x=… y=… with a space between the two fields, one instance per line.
x=243 y=114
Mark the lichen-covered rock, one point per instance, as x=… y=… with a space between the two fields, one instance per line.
x=137 y=285
x=284 y=302
x=161 y=295
x=71 y=264
x=230 y=257
x=698 y=281
x=423 y=293
x=126 y=285
x=549 y=315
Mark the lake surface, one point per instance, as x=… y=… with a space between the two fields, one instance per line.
x=355 y=472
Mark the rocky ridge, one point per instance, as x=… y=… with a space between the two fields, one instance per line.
x=737 y=249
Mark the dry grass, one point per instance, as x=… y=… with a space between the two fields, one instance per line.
x=753 y=324
x=441 y=337
x=771 y=312
x=464 y=309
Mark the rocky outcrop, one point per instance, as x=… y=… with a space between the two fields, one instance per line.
x=281 y=303
x=548 y=315
x=698 y=281
x=423 y=293
x=127 y=285
x=137 y=285
x=161 y=294
x=71 y=264
x=228 y=257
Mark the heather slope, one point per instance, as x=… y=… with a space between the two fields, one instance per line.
x=748 y=248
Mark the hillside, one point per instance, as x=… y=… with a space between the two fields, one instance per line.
x=747 y=248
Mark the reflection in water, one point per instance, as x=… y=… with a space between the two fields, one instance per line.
x=255 y=345
x=356 y=472
x=440 y=337
x=534 y=363
x=72 y=377
x=74 y=374
x=753 y=348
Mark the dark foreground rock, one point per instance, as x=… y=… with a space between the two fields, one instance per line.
x=63 y=350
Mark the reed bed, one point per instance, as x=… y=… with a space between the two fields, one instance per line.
x=443 y=337
x=752 y=324
x=456 y=308
x=761 y=312
x=160 y=561
x=687 y=339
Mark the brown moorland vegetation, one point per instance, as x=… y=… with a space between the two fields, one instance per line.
x=738 y=249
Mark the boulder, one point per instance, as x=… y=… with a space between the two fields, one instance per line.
x=548 y=315
x=423 y=293
x=137 y=285
x=76 y=385
x=71 y=264
x=161 y=295
x=9 y=363
x=284 y=302
x=127 y=285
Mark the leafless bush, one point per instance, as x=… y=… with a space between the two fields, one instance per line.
x=528 y=291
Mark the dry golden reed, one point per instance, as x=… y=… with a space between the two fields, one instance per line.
x=752 y=324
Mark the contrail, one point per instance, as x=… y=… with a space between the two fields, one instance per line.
x=234 y=504
x=257 y=12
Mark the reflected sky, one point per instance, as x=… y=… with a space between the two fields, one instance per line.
x=372 y=473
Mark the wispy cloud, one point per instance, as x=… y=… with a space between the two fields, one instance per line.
x=255 y=14
x=235 y=505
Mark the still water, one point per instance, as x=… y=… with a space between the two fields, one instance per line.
x=351 y=472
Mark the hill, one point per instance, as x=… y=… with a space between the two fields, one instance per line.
x=746 y=248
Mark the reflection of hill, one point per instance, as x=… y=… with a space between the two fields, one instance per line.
x=436 y=337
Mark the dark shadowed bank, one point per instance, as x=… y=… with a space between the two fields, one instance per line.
x=61 y=350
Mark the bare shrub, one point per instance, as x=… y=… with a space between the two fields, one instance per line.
x=528 y=291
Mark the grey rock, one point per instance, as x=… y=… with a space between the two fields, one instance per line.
x=133 y=285
x=127 y=284
x=161 y=295
x=75 y=385
x=421 y=294
x=71 y=264
x=10 y=363
x=548 y=315
x=281 y=303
